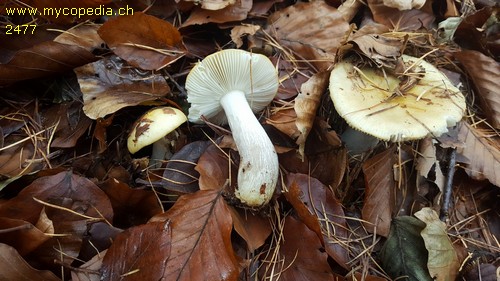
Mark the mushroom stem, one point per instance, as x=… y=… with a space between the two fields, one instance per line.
x=259 y=167
x=161 y=151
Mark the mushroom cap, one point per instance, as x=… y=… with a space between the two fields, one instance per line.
x=367 y=101
x=226 y=71
x=154 y=125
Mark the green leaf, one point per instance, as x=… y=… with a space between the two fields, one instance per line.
x=404 y=253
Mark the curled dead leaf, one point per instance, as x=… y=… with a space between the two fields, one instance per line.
x=110 y=84
x=306 y=105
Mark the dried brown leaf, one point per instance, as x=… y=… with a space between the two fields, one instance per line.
x=25 y=239
x=140 y=253
x=235 y=12
x=306 y=105
x=483 y=153
x=201 y=238
x=379 y=194
x=212 y=4
x=484 y=72
x=213 y=167
x=109 y=85
x=382 y=49
x=94 y=264
x=285 y=121
x=14 y=267
x=427 y=159
x=393 y=18
x=241 y=30
x=180 y=174
x=312 y=30
x=74 y=201
x=142 y=40
x=82 y=35
x=254 y=229
x=302 y=255
x=69 y=121
x=41 y=60
x=321 y=212
x=479 y=31
x=443 y=262
x=131 y=206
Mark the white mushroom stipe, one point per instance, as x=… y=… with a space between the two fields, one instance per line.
x=257 y=173
x=228 y=87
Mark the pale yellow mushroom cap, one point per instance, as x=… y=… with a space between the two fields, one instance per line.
x=154 y=125
x=366 y=99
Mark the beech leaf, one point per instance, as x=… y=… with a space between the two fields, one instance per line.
x=321 y=212
x=483 y=71
x=302 y=254
x=482 y=151
x=201 y=238
x=443 y=262
x=109 y=85
x=14 y=267
x=142 y=40
x=306 y=105
x=379 y=193
x=139 y=253
x=314 y=30
x=404 y=253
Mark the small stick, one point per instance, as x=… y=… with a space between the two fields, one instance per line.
x=448 y=187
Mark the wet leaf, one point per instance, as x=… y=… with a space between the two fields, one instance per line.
x=483 y=71
x=483 y=152
x=312 y=30
x=321 y=212
x=379 y=195
x=14 y=267
x=142 y=40
x=443 y=263
x=201 y=238
x=404 y=253
x=140 y=253
x=110 y=84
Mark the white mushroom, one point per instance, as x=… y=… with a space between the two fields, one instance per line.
x=228 y=87
x=382 y=106
x=151 y=128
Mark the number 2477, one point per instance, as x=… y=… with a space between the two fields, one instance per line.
x=20 y=29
